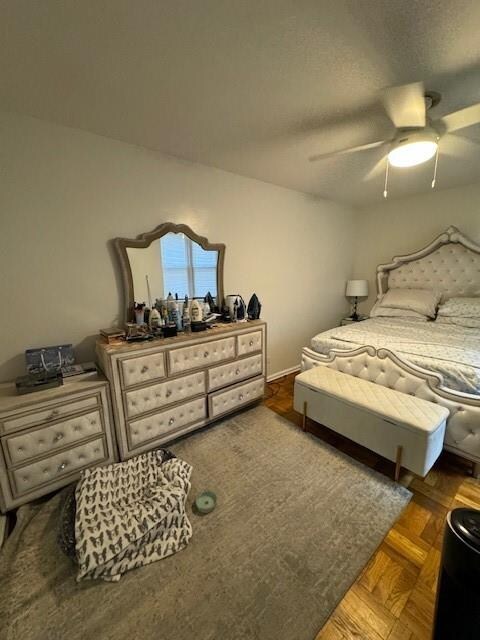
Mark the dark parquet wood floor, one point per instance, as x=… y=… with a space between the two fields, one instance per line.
x=394 y=596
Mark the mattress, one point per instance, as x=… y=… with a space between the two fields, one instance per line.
x=451 y=351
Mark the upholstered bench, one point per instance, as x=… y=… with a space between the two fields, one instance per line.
x=402 y=428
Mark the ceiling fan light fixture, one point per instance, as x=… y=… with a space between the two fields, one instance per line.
x=413 y=148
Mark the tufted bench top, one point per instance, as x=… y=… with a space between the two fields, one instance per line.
x=410 y=412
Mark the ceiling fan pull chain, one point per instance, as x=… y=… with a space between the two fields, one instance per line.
x=435 y=169
x=385 y=189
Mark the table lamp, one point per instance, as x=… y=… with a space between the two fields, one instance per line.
x=356 y=289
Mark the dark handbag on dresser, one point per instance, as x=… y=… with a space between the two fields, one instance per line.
x=49 y=359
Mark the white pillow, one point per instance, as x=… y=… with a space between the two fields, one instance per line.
x=422 y=301
x=378 y=311
x=459 y=321
x=462 y=307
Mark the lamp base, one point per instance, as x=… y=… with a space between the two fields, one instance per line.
x=354 y=315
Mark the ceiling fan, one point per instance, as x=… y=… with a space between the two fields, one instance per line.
x=417 y=136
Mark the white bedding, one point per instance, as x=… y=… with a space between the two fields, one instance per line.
x=452 y=351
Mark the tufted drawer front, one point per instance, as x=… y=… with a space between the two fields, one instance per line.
x=39 y=416
x=234 y=372
x=143 y=369
x=38 y=442
x=165 y=422
x=49 y=469
x=249 y=343
x=158 y=395
x=225 y=401
x=201 y=355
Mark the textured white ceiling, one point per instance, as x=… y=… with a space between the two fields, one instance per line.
x=249 y=86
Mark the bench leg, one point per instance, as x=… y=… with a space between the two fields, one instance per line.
x=398 y=463
x=304 y=419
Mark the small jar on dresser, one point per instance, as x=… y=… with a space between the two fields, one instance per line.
x=47 y=437
x=166 y=388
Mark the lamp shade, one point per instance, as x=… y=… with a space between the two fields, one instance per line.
x=356 y=288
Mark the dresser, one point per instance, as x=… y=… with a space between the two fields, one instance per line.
x=47 y=437
x=166 y=388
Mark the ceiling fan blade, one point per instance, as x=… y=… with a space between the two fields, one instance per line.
x=458 y=146
x=377 y=170
x=405 y=105
x=362 y=147
x=461 y=119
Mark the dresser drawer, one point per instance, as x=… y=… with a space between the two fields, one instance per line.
x=222 y=402
x=249 y=343
x=201 y=355
x=38 y=442
x=54 y=467
x=54 y=412
x=234 y=372
x=156 y=396
x=143 y=369
x=166 y=422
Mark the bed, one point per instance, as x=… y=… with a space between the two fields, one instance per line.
x=450 y=351
x=434 y=361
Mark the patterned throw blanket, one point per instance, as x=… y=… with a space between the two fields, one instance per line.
x=131 y=514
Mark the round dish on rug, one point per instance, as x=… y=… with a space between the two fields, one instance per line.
x=295 y=522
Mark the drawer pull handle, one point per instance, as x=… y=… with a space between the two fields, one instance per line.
x=251 y=343
x=237 y=372
x=53 y=414
x=240 y=397
x=62 y=466
x=144 y=369
x=206 y=354
x=168 y=393
x=58 y=437
x=171 y=421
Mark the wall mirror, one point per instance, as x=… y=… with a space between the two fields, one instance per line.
x=170 y=259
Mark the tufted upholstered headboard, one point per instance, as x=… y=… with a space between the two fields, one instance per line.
x=450 y=264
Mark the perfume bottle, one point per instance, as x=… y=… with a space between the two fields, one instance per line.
x=140 y=313
x=186 y=322
x=163 y=311
x=173 y=315
x=171 y=308
x=165 y=317
x=206 y=308
x=146 y=316
x=179 y=315
x=154 y=319
x=196 y=311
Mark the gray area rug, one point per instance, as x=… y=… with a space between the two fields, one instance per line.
x=295 y=523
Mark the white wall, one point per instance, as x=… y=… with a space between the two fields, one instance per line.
x=65 y=193
x=396 y=227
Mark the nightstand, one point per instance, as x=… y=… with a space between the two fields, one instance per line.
x=49 y=436
x=346 y=321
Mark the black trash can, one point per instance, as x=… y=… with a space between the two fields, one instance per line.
x=457 y=611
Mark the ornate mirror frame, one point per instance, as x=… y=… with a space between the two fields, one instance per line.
x=143 y=241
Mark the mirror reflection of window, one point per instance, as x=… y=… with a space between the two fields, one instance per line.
x=187 y=268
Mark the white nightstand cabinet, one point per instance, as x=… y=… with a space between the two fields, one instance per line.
x=47 y=437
